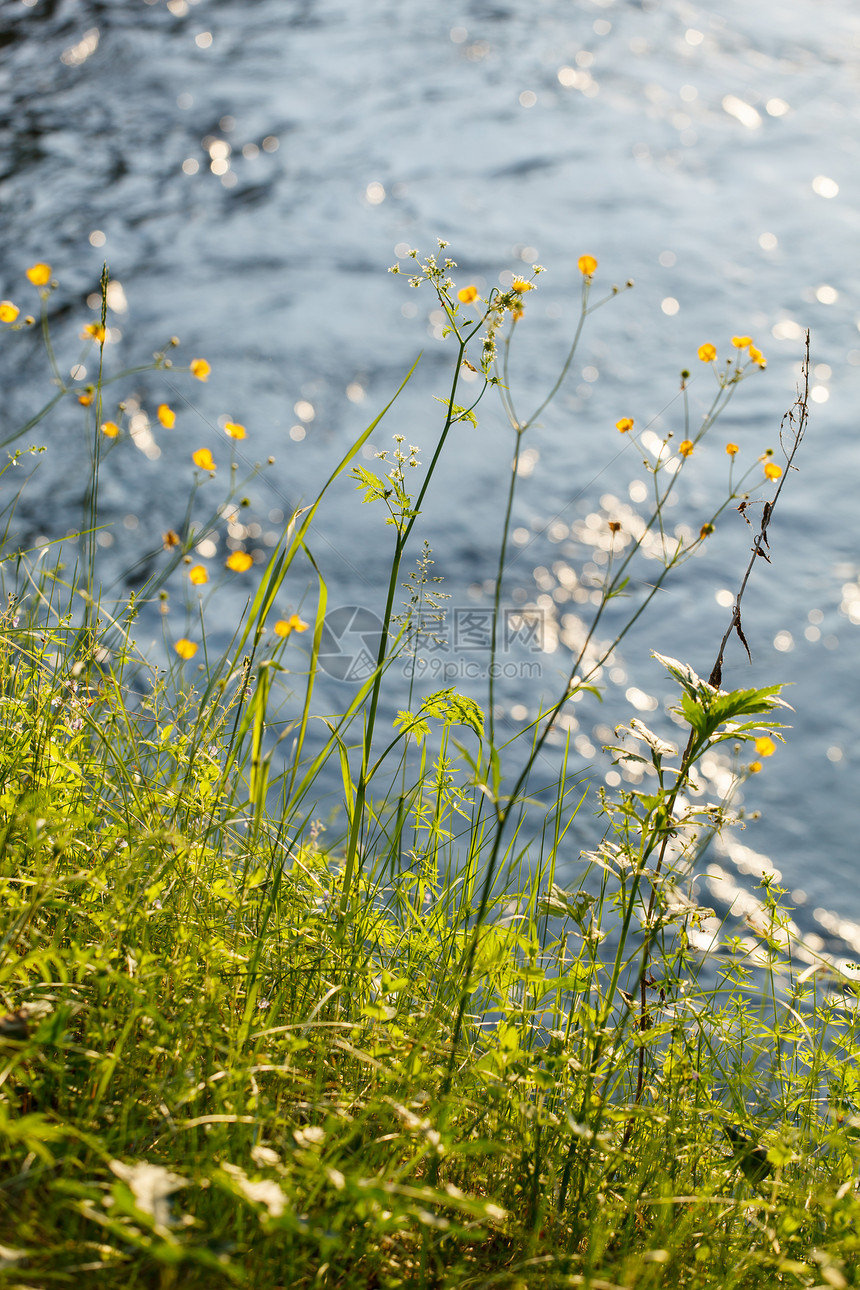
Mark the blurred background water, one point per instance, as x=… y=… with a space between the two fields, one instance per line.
x=249 y=171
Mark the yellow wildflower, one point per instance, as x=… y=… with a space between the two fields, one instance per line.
x=110 y=429
x=94 y=331
x=166 y=416
x=732 y=449
x=170 y=539
x=705 y=531
x=240 y=561
x=86 y=398
x=522 y=284
x=741 y=342
x=765 y=747
x=198 y=575
x=772 y=471
x=204 y=459
x=586 y=265
x=757 y=357
x=200 y=368
x=185 y=648
x=284 y=626
x=707 y=353
x=625 y=424
x=467 y=294
x=234 y=430
x=8 y=311
x=685 y=447
x=755 y=767
x=39 y=274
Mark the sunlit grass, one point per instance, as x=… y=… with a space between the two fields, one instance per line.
x=244 y=1045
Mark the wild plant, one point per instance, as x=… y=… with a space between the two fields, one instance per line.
x=411 y=1044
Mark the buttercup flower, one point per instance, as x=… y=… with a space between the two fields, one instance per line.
x=757 y=357
x=234 y=430
x=8 y=311
x=185 y=648
x=284 y=626
x=765 y=747
x=200 y=368
x=732 y=449
x=86 y=398
x=110 y=429
x=586 y=265
x=204 y=459
x=166 y=416
x=685 y=447
x=625 y=424
x=741 y=342
x=522 y=284
x=755 y=767
x=772 y=471
x=93 y=331
x=39 y=274
x=467 y=294
x=198 y=575
x=240 y=561
x=707 y=353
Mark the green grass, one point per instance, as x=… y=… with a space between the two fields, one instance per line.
x=241 y=1048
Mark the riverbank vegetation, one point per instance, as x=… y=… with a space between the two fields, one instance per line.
x=411 y=1045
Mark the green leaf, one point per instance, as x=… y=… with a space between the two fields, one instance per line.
x=458 y=413
x=412 y=725
x=454 y=710
x=375 y=488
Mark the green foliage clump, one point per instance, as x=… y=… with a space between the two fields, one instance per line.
x=244 y=1048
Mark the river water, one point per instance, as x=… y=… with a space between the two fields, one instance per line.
x=250 y=171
